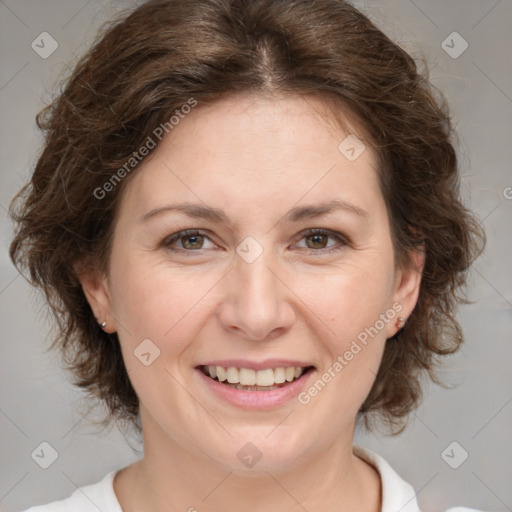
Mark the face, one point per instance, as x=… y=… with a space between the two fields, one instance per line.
x=253 y=275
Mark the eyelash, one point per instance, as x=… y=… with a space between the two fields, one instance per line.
x=343 y=241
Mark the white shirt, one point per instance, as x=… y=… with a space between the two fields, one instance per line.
x=397 y=495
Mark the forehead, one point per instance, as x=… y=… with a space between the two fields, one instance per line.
x=258 y=151
x=273 y=127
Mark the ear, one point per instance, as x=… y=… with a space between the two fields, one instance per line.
x=96 y=290
x=406 y=288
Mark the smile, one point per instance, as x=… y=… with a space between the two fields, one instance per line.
x=248 y=379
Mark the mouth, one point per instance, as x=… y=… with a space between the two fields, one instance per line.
x=248 y=379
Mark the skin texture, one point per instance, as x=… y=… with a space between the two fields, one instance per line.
x=255 y=158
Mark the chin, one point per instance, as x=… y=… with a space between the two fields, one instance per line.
x=258 y=455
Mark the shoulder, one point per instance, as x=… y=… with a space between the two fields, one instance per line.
x=89 y=498
x=397 y=494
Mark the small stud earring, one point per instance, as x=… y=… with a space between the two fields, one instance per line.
x=103 y=325
x=400 y=322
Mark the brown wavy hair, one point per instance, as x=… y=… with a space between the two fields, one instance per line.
x=146 y=64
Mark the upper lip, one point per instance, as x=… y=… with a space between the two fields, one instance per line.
x=256 y=365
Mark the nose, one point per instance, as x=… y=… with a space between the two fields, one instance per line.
x=257 y=303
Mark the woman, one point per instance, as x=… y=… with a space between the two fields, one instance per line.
x=246 y=220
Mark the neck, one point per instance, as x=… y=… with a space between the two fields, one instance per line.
x=176 y=477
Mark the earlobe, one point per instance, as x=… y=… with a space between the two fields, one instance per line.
x=96 y=291
x=407 y=289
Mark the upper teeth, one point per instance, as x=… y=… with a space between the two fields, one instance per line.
x=248 y=377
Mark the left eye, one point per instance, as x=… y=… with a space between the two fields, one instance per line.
x=193 y=240
x=318 y=240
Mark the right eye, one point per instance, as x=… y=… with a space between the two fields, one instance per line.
x=191 y=240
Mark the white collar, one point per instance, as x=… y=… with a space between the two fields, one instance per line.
x=397 y=495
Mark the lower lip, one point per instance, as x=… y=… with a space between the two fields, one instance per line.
x=256 y=399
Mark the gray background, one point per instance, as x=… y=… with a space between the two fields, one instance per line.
x=38 y=404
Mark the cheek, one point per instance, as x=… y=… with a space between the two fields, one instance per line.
x=352 y=302
x=350 y=297
x=351 y=340
x=154 y=303
x=159 y=302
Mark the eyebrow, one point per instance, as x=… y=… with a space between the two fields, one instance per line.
x=296 y=214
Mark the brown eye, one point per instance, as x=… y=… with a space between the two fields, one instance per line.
x=192 y=241
x=317 y=241
x=189 y=240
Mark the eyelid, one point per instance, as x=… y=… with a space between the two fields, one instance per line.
x=323 y=231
